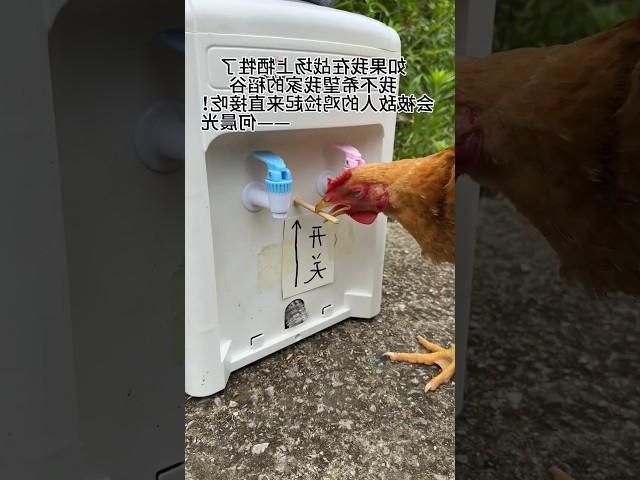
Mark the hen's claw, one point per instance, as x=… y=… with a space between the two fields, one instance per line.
x=558 y=474
x=445 y=358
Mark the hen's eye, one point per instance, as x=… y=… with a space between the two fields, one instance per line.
x=357 y=193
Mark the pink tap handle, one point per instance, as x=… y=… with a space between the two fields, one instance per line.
x=353 y=157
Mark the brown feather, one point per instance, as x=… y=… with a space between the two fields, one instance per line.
x=560 y=128
x=421 y=198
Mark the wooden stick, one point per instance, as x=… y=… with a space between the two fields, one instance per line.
x=311 y=208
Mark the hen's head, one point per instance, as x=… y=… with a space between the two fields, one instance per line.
x=351 y=194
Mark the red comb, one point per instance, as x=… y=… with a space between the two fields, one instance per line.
x=339 y=180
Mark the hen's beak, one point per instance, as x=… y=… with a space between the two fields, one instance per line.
x=338 y=209
x=322 y=204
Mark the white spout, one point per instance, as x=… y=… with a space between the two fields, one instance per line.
x=323 y=181
x=255 y=198
x=160 y=137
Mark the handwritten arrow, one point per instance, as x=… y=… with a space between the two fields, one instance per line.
x=296 y=226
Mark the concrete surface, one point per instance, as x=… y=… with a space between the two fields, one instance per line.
x=553 y=374
x=329 y=407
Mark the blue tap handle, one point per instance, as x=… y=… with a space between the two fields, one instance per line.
x=278 y=179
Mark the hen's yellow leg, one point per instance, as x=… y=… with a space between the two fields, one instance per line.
x=445 y=358
x=558 y=474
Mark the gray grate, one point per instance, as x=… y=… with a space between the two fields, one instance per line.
x=295 y=313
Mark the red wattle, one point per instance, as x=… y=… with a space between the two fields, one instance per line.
x=366 y=218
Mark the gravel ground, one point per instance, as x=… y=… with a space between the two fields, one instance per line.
x=338 y=410
x=553 y=373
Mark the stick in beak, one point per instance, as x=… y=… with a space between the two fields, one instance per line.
x=322 y=204
x=308 y=206
x=339 y=210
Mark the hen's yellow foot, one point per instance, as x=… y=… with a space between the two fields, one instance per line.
x=445 y=358
x=558 y=474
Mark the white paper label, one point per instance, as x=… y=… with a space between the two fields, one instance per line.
x=307 y=254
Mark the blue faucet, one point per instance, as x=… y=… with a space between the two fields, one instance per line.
x=275 y=193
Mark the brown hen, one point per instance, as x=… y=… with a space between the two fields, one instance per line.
x=556 y=131
x=420 y=195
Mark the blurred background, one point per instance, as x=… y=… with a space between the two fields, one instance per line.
x=552 y=372
x=531 y=23
x=518 y=22
x=426 y=29
x=428 y=43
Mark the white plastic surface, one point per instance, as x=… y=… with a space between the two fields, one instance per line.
x=234 y=257
x=287 y=23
